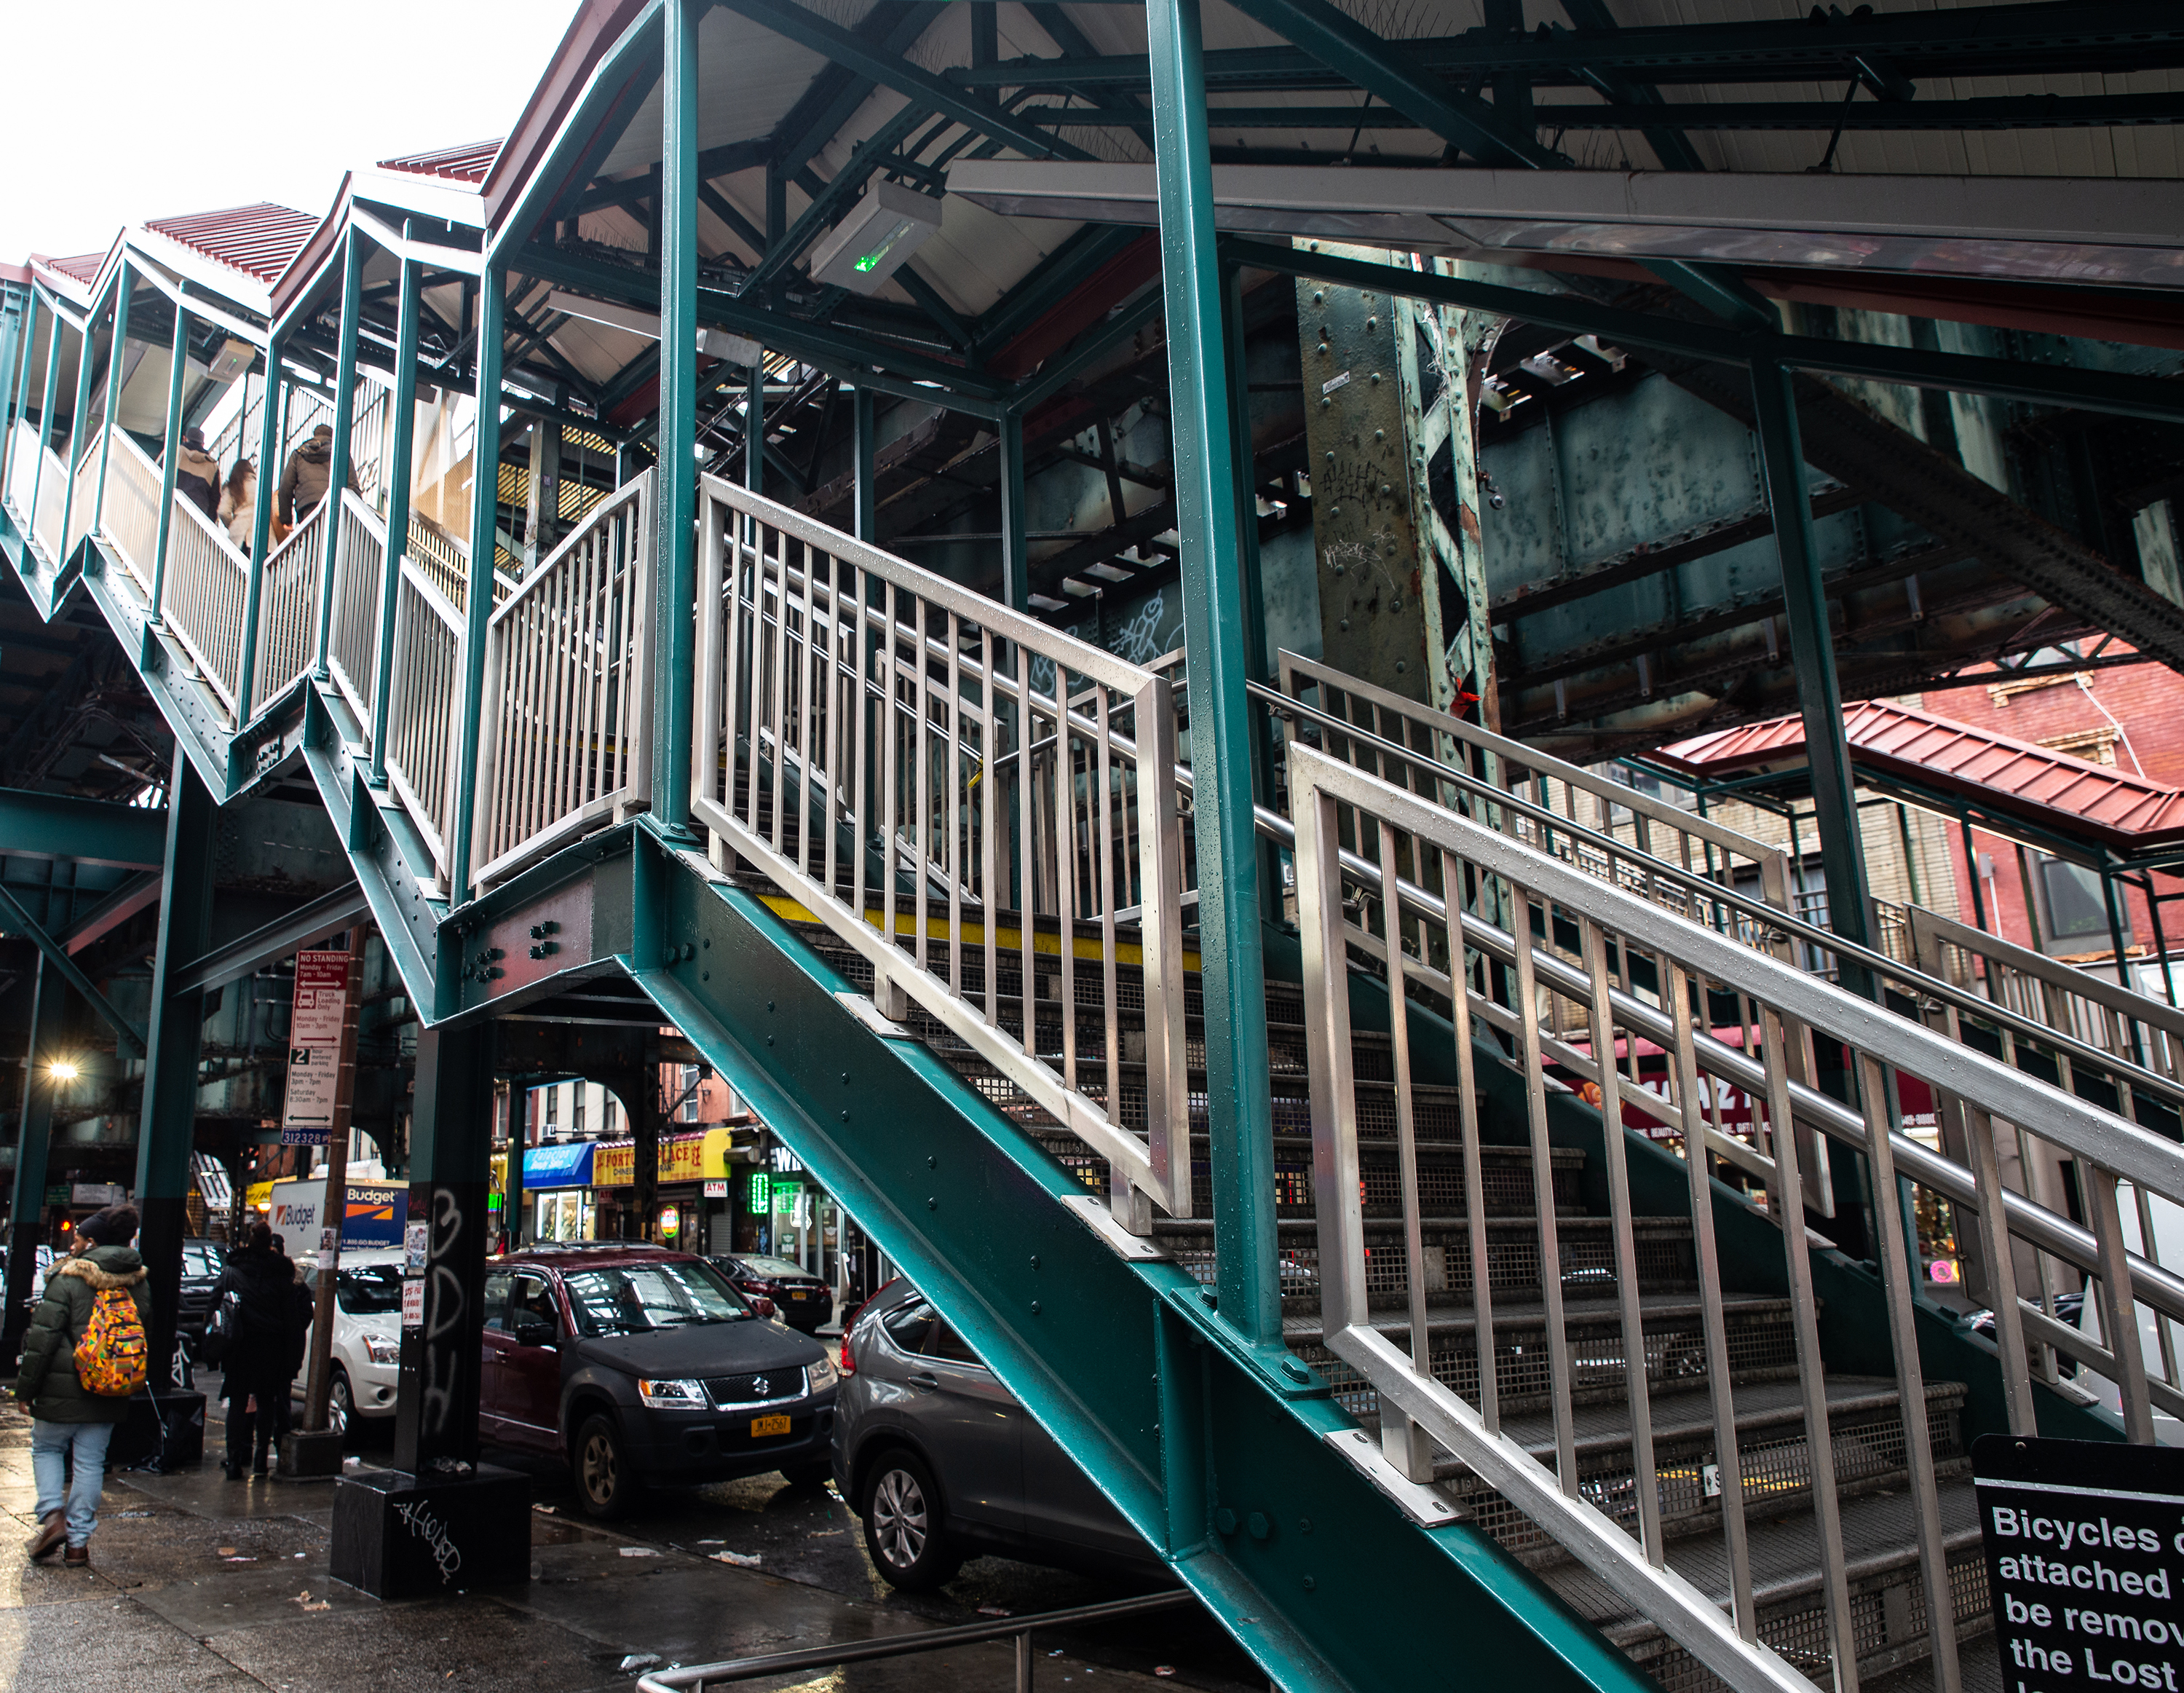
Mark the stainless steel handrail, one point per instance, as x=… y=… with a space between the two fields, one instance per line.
x=700 y=1676
x=1796 y=928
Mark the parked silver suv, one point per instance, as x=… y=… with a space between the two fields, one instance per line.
x=943 y=1464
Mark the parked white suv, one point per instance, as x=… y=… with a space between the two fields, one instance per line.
x=367 y=1332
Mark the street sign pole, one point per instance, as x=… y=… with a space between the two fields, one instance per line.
x=331 y=980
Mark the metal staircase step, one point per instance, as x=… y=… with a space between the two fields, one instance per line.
x=1888 y=1604
x=1865 y=1422
x=1761 y=1346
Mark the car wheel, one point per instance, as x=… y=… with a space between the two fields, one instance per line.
x=902 y=1526
x=605 y=1488
x=341 y=1403
x=809 y=1475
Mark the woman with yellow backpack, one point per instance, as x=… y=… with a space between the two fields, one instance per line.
x=85 y=1354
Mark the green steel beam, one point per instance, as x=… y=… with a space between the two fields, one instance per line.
x=853 y=357
x=2156 y=398
x=1973 y=39
x=1812 y=653
x=338 y=465
x=755 y=446
x=89 y=831
x=268 y=478
x=1109 y=334
x=402 y=408
x=478 y=604
x=1382 y=68
x=864 y=157
x=166 y=1131
x=1076 y=262
x=115 y=364
x=892 y=71
x=131 y=1037
x=674 y=489
x=178 y=364
x=19 y=411
x=45 y=439
x=1239 y=1106
x=78 y=419
x=571 y=154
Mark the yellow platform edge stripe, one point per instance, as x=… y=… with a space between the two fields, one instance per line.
x=974 y=934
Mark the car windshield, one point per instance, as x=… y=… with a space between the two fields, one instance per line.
x=772 y=1267
x=371 y=1292
x=637 y=1298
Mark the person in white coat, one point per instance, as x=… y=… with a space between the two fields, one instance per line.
x=238 y=504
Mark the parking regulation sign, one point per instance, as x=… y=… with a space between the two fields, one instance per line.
x=320 y=1008
x=2085 y=1561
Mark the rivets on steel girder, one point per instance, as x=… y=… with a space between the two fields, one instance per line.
x=1034 y=1261
x=1034 y=1307
x=1304 y=1525
x=932 y=1163
x=1379 y=434
x=1395 y=604
x=1318 y=295
x=1376 y=377
x=1334 y=511
x=1258 y=1525
x=1372 y=323
x=1224 y=1519
x=1296 y=1369
x=1330 y=456
x=932 y=1204
x=845 y=1116
x=769 y=1040
x=1309 y=1584
x=1399 y=666
x=1323 y=350
x=769 y=1005
x=845 y=1078
x=1385 y=490
x=1208 y=1297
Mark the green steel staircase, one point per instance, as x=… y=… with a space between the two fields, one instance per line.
x=925 y=910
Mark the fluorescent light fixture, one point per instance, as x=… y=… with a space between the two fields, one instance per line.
x=883 y=229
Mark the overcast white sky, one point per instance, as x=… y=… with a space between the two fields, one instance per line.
x=129 y=109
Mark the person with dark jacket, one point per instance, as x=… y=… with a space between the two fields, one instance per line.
x=74 y=1426
x=197 y=473
x=311 y=468
x=262 y=1349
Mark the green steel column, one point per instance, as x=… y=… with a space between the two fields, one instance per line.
x=402 y=410
x=676 y=587
x=868 y=512
x=435 y=1418
x=78 y=418
x=22 y=386
x=114 y=364
x=269 y=472
x=26 y=1214
x=178 y=358
x=269 y=441
x=1015 y=553
x=166 y=1131
x=477 y=605
x=338 y=470
x=45 y=424
x=10 y=363
x=1250 y=594
x=1813 y=655
x=1236 y=1062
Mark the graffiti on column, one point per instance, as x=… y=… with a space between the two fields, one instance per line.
x=446 y=1303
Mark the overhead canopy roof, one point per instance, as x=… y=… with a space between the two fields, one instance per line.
x=2056 y=792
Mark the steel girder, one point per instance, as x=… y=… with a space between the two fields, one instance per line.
x=92 y=832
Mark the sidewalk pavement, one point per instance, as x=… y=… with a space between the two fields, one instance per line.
x=197 y=1582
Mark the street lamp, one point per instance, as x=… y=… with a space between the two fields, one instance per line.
x=64 y=1070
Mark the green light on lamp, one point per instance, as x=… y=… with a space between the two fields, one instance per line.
x=869 y=262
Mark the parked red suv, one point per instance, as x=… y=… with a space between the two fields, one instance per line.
x=644 y=1367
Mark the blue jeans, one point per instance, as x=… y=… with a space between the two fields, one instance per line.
x=51 y=1444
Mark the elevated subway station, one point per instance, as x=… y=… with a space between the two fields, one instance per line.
x=1049 y=570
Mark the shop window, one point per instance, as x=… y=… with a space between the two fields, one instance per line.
x=2075 y=918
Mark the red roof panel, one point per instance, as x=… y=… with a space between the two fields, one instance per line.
x=2069 y=794
x=83 y=266
x=257 y=240
x=466 y=164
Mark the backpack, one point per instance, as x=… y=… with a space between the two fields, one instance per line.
x=114 y=1359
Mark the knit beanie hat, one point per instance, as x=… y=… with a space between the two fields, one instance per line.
x=116 y=1226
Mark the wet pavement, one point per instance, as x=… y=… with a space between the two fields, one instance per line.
x=199 y=1582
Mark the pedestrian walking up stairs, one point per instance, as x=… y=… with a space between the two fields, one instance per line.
x=1502 y=1388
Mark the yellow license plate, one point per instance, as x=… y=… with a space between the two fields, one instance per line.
x=763 y=1426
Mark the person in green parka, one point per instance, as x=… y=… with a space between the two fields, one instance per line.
x=73 y=1426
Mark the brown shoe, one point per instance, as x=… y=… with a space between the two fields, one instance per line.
x=77 y=1557
x=48 y=1538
